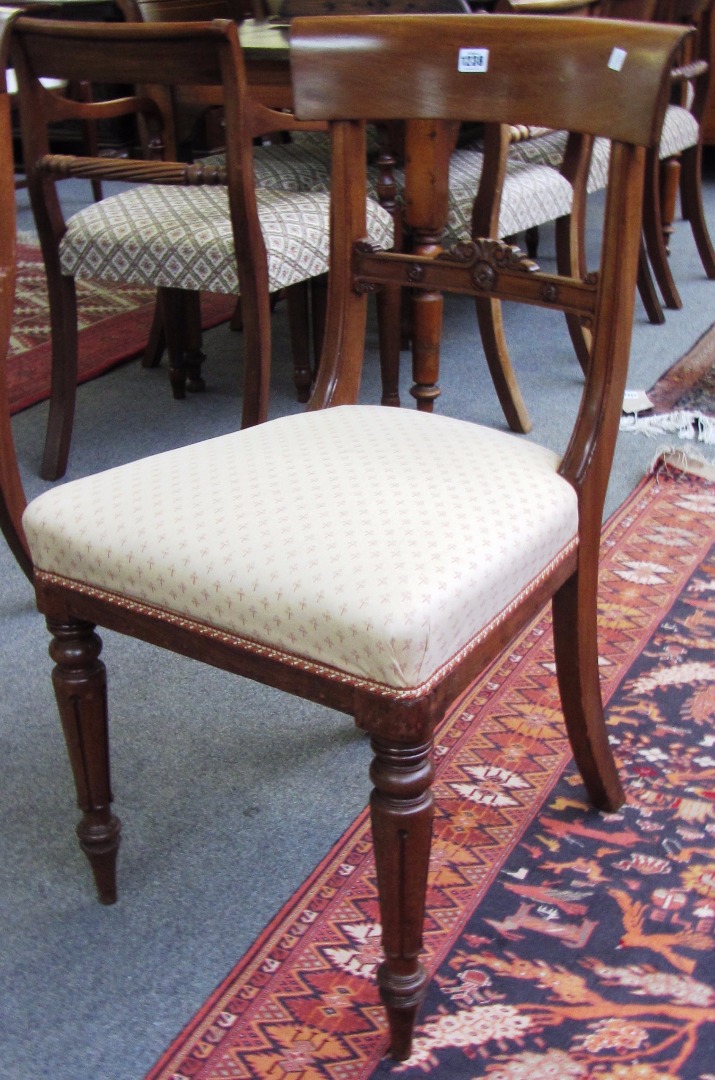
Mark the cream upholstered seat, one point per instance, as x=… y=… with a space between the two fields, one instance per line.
x=189 y=533
x=370 y=559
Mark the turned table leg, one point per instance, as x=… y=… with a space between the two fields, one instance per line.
x=426 y=206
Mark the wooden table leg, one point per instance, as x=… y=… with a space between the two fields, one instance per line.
x=426 y=204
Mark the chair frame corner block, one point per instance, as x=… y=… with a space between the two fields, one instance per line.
x=347 y=71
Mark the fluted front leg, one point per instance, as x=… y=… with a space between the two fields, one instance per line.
x=80 y=685
x=401 y=809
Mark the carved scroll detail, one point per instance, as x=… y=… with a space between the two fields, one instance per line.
x=366 y=247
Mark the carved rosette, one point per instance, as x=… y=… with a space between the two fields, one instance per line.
x=487 y=259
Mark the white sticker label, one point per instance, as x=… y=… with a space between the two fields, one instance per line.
x=473 y=60
x=618 y=58
x=636 y=401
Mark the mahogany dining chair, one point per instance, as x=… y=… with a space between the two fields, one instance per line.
x=181 y=228
x=366 y=558
x=677 y=162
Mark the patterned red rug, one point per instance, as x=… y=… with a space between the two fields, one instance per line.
x=683 y=399
x=689 y=383
x=114 y=323
x=564 y=944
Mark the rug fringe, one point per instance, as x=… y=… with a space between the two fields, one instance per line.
x=686 y=425
x=690 y=461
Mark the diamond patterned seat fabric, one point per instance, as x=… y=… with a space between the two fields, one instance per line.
x=321 y=499
x=286 y=166
x=532 y=195
x=290 y=166
x=173 y=237
x=549 y=149
x=680 y=131
x=303 y=164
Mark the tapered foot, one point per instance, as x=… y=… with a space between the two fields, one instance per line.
x=646 y=289
x=194 y=380
x=402 y=998
x=576 y=646
x=298 y=302
x=99 y=840
x=389 y=321
x=692 y=204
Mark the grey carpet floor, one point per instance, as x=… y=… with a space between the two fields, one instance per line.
x=229 y=793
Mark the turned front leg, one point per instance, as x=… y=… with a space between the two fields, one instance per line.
x=401 y=814
x=80 y=685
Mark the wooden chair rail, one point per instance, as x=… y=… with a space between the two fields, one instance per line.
x=65 y=166
x=686 y=72
x=475 y=269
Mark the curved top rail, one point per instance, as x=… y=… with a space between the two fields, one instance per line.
x=597 y=76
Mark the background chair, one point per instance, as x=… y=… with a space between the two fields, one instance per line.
x=12 y=497
x=57 y=86
x=197 y=124
x=186 y=228
x=676 y=164
x=371 y=559
x=81 y=91
x=291 y=9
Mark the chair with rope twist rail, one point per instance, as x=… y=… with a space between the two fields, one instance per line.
x=181 y=228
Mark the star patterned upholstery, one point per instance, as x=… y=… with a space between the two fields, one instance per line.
x=379 y=612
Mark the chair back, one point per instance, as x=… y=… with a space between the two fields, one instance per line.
x=171 y=56
x=591 y=76
x=192 y=108
x=548 y=7
x=180 y=10
x=12 y=497
x=111 y=55
x=640 y=10
x=692 y=76
x=291 y=9
x=405 y=69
